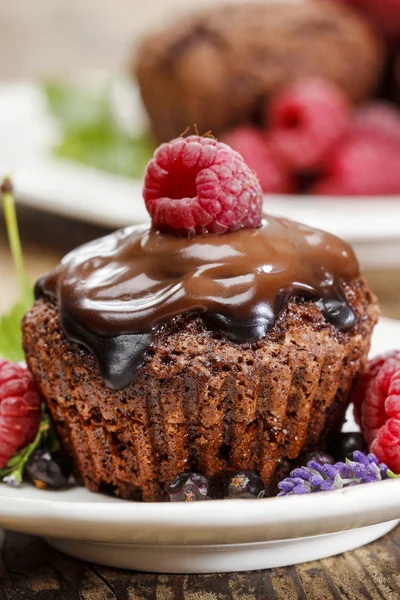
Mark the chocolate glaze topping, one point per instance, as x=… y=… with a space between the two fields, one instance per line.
x=114 y=292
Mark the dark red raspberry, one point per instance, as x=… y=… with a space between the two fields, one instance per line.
x=362 y=165
x=307 y=119
x=196 y=184
x=377 y=408
x=19 y=409
x=254 y=147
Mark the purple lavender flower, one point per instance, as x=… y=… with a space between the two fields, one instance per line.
x=364 y=468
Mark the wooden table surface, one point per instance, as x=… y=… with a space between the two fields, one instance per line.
x=29 y=569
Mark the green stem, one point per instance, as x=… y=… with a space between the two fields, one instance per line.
x=13 y=236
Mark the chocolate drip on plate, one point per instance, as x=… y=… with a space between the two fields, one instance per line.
x=114 y=292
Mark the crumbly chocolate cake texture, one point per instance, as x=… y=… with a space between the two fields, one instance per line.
x=201 y=402
x=218 y=68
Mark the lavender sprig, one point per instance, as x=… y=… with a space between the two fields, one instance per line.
x=364 y=468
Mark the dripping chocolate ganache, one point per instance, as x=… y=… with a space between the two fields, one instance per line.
x=114 y=292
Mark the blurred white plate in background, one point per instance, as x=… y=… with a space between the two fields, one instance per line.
x=27 y=131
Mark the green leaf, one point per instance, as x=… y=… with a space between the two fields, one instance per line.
x=10 y=323
x=90 y=133
x=106 y=150
x=14 y=461
x=76 y=106
x=392 y=475
x=10 y=333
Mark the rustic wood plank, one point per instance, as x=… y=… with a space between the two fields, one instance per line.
x=29 y=569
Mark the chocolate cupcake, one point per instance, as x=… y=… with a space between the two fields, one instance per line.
x=217 y=69
x=232 y=349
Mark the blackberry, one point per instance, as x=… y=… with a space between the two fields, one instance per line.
x=48 y=469
x=188 y=487
x=244 y=484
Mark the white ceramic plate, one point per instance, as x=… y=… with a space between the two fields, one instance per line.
x=27 y=132
x=215 y=536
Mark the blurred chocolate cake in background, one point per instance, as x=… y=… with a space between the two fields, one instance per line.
x=217 y=68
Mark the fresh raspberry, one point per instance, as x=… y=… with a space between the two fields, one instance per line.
x=19 y=409
x=362 y=165
x=378 y=118
x=197 y=184
x=307 y=119
x=386 y=445
x=373 y=367
x=254 y=147
x=377 y=408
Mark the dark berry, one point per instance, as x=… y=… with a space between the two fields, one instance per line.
x=320 y=457
x=244 y=484
x=48 y=469
x=345 y=444
x=188 y=487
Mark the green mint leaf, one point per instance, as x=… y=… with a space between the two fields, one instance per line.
x=10 y=332
x=76 y=106
x=16 y=459
x=90 y=134
x=10 y=323
x=107 y=150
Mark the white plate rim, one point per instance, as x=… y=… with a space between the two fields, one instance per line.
x=206 y=523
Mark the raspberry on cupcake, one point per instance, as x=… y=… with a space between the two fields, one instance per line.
x=197 y=184
x=207 y=352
